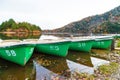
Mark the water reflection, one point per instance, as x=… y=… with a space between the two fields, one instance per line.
x=11 y=71
x=80 y=58
x=80 y=61
x=98 y=53
x=99 y=57
x=48 y=37
x=42 y=73
x=54 y=64
x=75 y=67
x=43 y=66
x=20 y=36
x=97 y=61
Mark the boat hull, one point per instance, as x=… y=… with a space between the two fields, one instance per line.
x=84 y=46
x=102 y=43
x=19 y=54
x=57 y=48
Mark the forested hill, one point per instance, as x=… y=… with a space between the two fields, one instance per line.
x=12 y=26
x=108 y=22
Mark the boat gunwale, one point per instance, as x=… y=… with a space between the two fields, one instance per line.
x=48 y=41
x=17 y=45
x=82 y=40
x=98 y=39
x=53 y=42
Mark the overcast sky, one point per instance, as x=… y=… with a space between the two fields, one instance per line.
x=51 y=14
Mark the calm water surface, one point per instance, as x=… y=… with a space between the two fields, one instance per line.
x=43 y=66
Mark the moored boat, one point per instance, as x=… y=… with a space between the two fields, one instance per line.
x=16 y=51
x=102 y=42
x=117 y=36
x=81 y=44
x=54 y=47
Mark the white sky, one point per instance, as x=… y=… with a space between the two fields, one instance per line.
x=51 y=14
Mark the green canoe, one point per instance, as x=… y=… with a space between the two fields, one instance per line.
x=53 y=47
x=103 y=42
x=80 y=44
x=16 y=51
x=117 y=36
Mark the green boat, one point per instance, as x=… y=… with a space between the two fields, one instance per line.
x=80 y=44
x=117 y=36
x=53 y=47
x=16 y=51
x=102 y=42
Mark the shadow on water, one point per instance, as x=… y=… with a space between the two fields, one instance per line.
x=80 y=57
x=99 y=53
x=80 y=61
x=99 y=57
x=50 y=65
x=11 y=71
x=42 y=73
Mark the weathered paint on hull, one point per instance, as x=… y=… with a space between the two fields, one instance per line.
x=84 y=46
x=18 y=54
x=58 y=48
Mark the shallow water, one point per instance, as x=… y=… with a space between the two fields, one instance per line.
x=11 y=71
x=42 y=66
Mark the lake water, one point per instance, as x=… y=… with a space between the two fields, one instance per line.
x=42 y=66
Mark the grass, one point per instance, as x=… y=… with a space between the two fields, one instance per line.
x=108 y=69
x=118 y=43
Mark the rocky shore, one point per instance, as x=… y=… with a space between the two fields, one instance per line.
x=109 y=71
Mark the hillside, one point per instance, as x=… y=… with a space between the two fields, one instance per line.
x=95 y=24
x=12 y=26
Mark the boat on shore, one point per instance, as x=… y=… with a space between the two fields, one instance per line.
x=102 y=42
x=58 y=47
x=81 y=44
x=16 y=51
x=53 y=47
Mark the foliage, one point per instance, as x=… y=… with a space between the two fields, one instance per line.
x=108 y=22
x=108 y=27
x=108 y=69
x=8 y=24
x=13 y=26
x=118 y=43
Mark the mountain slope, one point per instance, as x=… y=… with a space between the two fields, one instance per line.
x=93 y=23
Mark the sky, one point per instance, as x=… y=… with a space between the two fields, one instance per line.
x=51 y=14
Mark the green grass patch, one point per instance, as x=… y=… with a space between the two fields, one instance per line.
x=108 y=69
x=118 y=43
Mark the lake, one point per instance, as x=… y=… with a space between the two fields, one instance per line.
x=42 y=66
